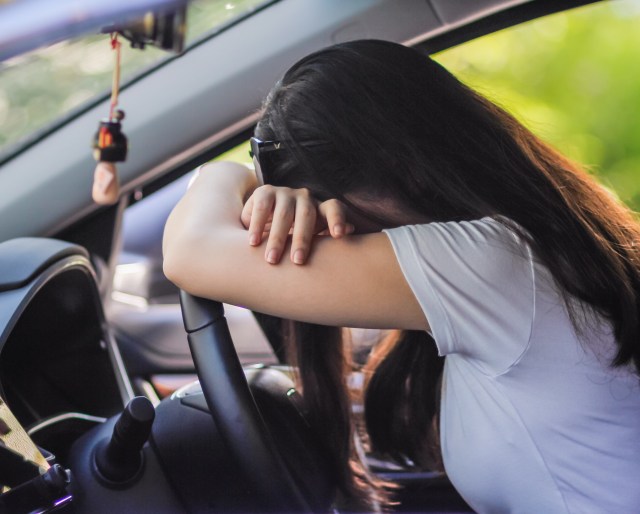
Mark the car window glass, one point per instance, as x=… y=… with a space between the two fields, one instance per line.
x=239 y=154
x=569 y=77
x=42 y=87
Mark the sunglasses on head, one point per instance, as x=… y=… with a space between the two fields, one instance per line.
x=260 y=150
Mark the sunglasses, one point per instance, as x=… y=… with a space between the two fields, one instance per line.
x=261 y=150
x=258 y=151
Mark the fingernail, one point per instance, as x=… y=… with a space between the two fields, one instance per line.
x=298 y=257
x=338 y=229
x=253 y=239
x=350 y=228
x=272 y=256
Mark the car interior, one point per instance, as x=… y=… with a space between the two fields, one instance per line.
x=121 y=411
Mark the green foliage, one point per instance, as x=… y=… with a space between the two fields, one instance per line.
x=238 y=154
x=572 y=78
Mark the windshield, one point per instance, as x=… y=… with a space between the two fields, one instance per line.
x=43 y=87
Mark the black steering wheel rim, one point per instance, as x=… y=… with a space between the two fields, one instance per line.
x=233 y=408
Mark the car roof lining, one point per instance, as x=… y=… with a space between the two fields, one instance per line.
x=245 y=69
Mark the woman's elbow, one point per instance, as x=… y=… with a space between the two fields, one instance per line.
x=176 y=263
x=173 y=270
x=187 y=266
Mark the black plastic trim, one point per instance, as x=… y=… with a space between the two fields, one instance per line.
x=22 y=259
x=198 y=313
x=500 y=20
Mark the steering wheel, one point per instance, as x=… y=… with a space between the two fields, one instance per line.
x=233 y=408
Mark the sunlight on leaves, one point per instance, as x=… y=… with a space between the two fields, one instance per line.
x=572 y=79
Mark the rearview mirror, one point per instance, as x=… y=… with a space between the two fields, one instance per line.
x=163 y=29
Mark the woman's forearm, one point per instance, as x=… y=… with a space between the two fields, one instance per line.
x=208 y=253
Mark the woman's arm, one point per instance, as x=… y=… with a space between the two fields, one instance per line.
x=353 y=281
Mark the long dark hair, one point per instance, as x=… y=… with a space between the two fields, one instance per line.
x=397 y=125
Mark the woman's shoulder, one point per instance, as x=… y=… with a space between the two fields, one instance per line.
x=488 y=234
x=475 y=282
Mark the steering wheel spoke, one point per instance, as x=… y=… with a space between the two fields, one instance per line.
x=233 y=407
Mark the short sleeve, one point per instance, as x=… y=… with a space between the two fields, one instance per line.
x=475 y=283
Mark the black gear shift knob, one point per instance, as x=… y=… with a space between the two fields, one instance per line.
x=119 y=460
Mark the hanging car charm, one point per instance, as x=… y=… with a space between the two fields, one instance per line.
x=109 y=143
x=165 y=30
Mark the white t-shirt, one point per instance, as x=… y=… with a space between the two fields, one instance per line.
x=533 y=418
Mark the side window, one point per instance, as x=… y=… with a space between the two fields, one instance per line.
x=239 y=154
x=568 y=77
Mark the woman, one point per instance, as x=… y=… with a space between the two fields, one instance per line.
x=469 y=232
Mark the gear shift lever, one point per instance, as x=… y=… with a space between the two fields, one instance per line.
x=119 y=459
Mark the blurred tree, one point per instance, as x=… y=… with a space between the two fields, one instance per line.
x=572 y=78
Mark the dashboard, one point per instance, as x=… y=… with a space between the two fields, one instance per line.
x=60 y=370
x=62 y=376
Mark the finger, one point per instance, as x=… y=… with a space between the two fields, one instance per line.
x=245 y=215
x=334 y=213
x=282 y=220
x=304 y=228
x=263 y=201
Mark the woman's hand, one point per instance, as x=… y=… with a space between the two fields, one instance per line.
x=277 y=212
